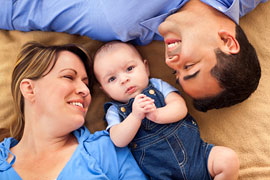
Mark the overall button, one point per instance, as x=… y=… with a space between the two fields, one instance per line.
x=193 y=122
x=151 y=91
x=134 y=145
x=123 y=109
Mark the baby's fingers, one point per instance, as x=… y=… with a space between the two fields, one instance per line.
x=149 y=108
x=146 y=100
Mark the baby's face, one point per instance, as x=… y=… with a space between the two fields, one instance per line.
x=121 y=73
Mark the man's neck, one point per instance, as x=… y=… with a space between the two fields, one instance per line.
x=203 y=9
x=206 y=12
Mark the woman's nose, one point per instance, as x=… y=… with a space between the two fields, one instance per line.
x=83 y=90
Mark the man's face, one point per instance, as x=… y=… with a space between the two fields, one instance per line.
x=190 y=52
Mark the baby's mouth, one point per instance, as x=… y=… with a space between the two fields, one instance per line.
x=131 y=90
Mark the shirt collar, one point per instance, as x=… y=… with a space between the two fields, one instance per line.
x=4 y=153
x=153 y=23
x=227 y=7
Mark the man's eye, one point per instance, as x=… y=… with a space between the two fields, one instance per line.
x=188 y=66
x=130 y=68
x=175 y=72
x=111 y=79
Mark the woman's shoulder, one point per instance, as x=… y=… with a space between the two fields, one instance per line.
x=96 y=143
x=5 y=146
x=84 y=135
x=99 y=144
x=97 y=152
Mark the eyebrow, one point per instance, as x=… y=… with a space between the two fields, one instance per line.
x=68 y=69
x=107 y=75
x=191 y=76
x=112 y=73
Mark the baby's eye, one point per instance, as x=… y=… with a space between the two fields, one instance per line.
x=174 y=72
x=130 y=68
x=111 y=79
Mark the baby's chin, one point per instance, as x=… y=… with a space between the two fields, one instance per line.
x=126 y=99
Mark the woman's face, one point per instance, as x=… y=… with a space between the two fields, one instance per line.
x=62 y=96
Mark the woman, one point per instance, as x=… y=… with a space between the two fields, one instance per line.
x=51 y=95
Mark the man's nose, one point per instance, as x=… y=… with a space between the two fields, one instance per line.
x=173 y=62
x=163 y=28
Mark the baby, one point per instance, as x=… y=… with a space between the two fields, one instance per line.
x=151 y=117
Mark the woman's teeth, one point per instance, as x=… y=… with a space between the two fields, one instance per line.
x=77 y=104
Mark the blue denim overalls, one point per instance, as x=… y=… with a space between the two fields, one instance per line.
x=168 y=151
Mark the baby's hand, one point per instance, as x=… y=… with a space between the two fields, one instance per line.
x=152 y=114
x=142 y=104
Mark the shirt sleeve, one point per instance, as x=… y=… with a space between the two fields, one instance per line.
x=5 y=15
x=103 y=20
x=83 y=17
x=112 y=117
x=164 y=87
x=247 y=5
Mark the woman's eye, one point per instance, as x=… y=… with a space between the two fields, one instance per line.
x=130 y=68
x=68 y=77
x=111 y=79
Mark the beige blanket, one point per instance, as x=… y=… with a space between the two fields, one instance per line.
x=244 y=127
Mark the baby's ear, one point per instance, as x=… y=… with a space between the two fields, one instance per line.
x=146 y=66
x=230 y=44
x=27 y=89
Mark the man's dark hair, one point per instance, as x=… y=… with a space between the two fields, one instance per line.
x=238 y=75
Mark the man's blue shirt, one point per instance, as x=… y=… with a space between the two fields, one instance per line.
x=105 y=20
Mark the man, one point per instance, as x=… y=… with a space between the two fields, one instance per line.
x=212 y=65
x=214 y=62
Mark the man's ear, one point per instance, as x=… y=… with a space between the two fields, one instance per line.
x=27 y=89
x=230 y=44
x=146 y=66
